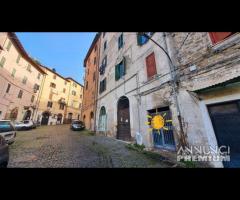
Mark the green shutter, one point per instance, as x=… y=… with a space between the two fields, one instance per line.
x=2 y=62
x=117 y=72
x=9 y=45
x=18 y=58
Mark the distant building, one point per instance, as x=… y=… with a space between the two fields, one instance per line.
x=60 y=100
x=91 y=64
x=20 y=79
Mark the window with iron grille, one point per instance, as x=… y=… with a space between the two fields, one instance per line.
x=49 y=104
x=151 y=65
x=102 y=87
x=52 y=85
x=120 y=70
x=24 y=81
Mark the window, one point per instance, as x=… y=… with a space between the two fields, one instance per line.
x=86 y=85
x=24 y=81
x=32 y=99
x=81 y=96
x=151 y=65
x=49 y=104
x=74 y=93
x=141 y=39
x=36 y=86
x=13 y=72
x=20 y=94
x=52 y=85
x=94 y=76
x=8 y=88
x=105 y=45
x=95 y=61
x=120 y=41
x=102 y=86
x=54 y=76
x=2 y=62
x=65 y=82
x=80 y=105
x=95 y=48
x=18 y=58
x=61 y=106
x=64 y=90
x=219 y=36
x=9 y=45
x=29 y=68
x=39 y=76
x=120 y=70
x=104 y=64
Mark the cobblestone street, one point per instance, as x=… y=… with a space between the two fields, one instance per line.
x=59 y=147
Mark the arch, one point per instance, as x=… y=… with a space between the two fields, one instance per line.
x=59 y=118
x=45 y=117
x=27 y=115
x=123 y=119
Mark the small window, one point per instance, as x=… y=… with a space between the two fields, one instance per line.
x=65 y=82
x=20 y=94
x=39 y=76
x=104 y=64
x=54 y=76
x=102 y=86
x=8 y=88
x=105 y=45
x=74 y=93
x=141 y=39
x=217 y=37
x=49 y=104
x=52 y=85
x=86 y=85
x=2 y=62
x=24 y=81
x=95 y=61
x=81 y=96
x=61 y=106
x=29 y=68
x=151 y=65
x=9 y=45
x=94 y=76
x=64 y=90
x=13 y=72
x=120 y=70
x=18 y=58
x=120 y=41
x=36 y=86
x=32 y=99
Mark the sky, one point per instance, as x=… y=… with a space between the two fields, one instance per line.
x=63 y=51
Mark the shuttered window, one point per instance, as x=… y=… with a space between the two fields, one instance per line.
x=151 y=65
x=219 y=36
x=9 y=45
x=2 y=62
x=102 y=86
x=18 y=59
x=120 y=41
x=120 y=70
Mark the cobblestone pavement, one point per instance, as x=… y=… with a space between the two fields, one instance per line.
x=59 y=147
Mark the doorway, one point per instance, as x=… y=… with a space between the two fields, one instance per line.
x=45 y=118
x=123 y=119
x=103 y=120
x=225 y=119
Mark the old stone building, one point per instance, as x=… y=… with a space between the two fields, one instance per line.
x=135 y=84
x=91 y=63
x=208 y=68
x=60 y=100
x=20 y=79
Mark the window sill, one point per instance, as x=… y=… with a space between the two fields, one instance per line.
x=228 y=42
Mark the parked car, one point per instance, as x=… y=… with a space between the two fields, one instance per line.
x=4 y=152
x=77 y=125
x=7 y=131
x=25 y=125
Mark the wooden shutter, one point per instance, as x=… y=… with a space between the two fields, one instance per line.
x=219 y=36
x=151 y=65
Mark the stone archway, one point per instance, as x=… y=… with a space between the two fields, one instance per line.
x=123 y=119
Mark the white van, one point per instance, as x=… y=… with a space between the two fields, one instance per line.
x=7 y=130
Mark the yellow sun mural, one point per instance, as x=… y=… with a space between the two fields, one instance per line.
x=157 y=122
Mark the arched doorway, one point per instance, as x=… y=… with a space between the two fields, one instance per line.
x=27 y=115
x=123 y=118
x=14 y=114
x=102 y=120
x=45 y=118
x=92 y=121
x=59 y=118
